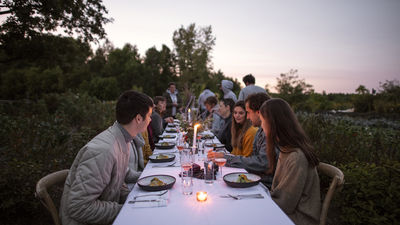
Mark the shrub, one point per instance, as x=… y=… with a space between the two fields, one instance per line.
x=371 y=193
x=43 y=137
x=344 y=139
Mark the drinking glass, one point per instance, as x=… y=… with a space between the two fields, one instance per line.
x=220 y=162
x=186 y=172
x=180 y=143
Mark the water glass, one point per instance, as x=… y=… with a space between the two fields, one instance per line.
x=186 y=158
x=187 y=181
x=208 y=171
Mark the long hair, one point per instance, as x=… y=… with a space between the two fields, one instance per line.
x=284 y=130
x=239 y=130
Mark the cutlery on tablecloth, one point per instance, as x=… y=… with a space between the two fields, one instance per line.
x=147 y=200
x=238 y=197
x=158 y=194
x=170 y=165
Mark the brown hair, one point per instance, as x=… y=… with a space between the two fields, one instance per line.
x=239 y=130
x=256 y=100
x=212 y=100
x=158 y=99
x=285 y=131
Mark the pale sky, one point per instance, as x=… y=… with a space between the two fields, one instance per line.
x=336 y=45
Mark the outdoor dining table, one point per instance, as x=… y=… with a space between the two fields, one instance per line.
x=216 y=210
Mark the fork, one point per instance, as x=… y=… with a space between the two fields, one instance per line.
x=170 y=165
x=150 y=200
x=159 y=194
x=238 y=197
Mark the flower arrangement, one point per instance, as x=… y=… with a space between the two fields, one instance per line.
x=187 y=126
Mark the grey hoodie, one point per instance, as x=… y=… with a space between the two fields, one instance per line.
x=227 y=86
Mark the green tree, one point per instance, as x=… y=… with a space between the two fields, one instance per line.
x=126 y=66
x=25 y=19
x=193 y=48
x=160 y=70
x=362 y=90
x=294 y=90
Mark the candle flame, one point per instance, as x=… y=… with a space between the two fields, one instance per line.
x=196 y=125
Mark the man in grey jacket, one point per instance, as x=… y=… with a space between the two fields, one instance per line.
x=257 y=162
x=94 y=190
x=250 y=88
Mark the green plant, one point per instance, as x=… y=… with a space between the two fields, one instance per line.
x=371 y=193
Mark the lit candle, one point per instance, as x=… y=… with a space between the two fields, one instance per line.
x=195 y=134
x=189 y=116
x=201 y=196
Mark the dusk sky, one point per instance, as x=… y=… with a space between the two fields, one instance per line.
x=336 y=45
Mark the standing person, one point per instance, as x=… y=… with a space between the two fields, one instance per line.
x=226 y=87
x=202 y=98
x=94 y=190
x=224 y=134
x=174 y=102
x=250 y=88
x=242 y=131
x=295 y=187
x=257 y=162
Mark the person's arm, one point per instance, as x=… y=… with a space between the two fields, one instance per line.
x=156 y=126
x=291 y=185
x=241 y=96
x=92 y=178
x=257 y=161
x=132 y=175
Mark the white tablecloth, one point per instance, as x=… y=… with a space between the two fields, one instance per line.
x=185 y=209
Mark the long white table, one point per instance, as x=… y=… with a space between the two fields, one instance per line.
x=185 y=209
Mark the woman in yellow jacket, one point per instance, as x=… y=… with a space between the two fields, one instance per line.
x=243 y=132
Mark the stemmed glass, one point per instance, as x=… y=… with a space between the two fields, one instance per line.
x=180 y=144
x=220 y=162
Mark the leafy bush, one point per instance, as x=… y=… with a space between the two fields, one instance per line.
x=371 y=193
x=43 y=137
x=344 y=139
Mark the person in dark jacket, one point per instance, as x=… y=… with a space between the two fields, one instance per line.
x=225 y=110
x=174 y=102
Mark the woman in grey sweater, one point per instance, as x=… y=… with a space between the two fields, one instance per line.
x=295 y=187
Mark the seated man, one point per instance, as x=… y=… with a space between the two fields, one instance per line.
x=212 y=112
x=225 y=110
x=257 y=162
x=95 y=190
x=157 y=123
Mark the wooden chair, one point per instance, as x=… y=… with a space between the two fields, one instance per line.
x=41 y=192
x=335 y=185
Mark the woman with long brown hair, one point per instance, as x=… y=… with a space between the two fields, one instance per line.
x=242 y=131
x=295 y=187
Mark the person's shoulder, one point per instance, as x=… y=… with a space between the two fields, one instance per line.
x=296 y=155
x=252 y=130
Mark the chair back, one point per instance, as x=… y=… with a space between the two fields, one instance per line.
x=335 y=185
x=41 y=192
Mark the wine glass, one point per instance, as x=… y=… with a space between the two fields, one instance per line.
x=220 y=162
x=181 y=143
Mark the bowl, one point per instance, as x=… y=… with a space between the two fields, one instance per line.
x=144 y=182
x=168 y=136
x=155 y=158
x=164 y=145
x=171 y=131
x=231 y=179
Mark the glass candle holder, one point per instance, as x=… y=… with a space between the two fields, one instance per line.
x=201 y=196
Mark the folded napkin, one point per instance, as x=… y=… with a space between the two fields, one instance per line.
x=149 y=201
x=199 y=173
